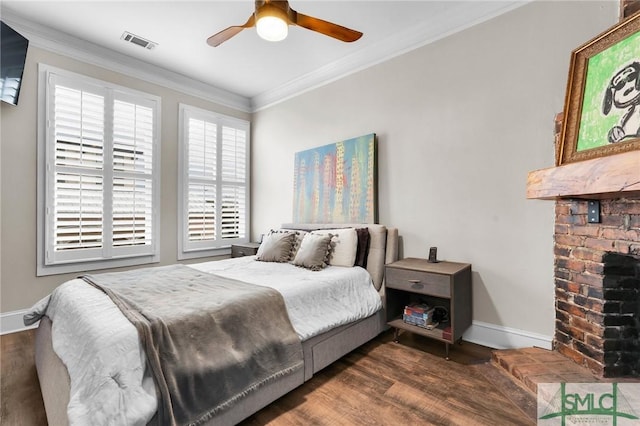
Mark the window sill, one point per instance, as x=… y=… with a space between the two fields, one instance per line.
x=196 y=254
x=65 y=268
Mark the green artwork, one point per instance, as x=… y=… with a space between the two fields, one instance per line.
x=611 y=101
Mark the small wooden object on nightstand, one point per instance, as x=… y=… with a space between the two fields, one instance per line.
x=444 y=284
x=244 y=249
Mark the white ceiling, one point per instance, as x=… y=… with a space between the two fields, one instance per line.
x=256 y=70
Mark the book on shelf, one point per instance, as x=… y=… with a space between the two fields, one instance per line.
x=418 y=309
x=420 y=315
x=446 y=333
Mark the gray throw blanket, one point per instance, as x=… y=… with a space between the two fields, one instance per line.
x=209 y=340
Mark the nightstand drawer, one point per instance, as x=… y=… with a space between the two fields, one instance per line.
x=247 y=249
x=418 y=282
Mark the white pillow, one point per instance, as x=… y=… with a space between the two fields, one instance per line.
x=344 y=245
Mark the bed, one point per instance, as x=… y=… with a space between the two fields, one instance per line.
x=321 y=344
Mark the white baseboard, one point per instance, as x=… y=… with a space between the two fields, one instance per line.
x=500 y=337
x=11 y=322
x=482 y=333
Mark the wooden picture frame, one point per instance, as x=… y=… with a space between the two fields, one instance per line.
x=602 y=103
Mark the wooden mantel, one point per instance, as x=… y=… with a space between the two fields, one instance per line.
x=614 y=176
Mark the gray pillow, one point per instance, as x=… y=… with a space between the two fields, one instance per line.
x=313 y=251
x=276 y=247
x=296 y=241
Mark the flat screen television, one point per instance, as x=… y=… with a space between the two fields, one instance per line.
x=13 y=54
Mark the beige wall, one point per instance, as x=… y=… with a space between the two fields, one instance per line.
x=19 y=287
x=460 y=122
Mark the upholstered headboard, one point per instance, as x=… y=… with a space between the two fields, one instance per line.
x=383 y=244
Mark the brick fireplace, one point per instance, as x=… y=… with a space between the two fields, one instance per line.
x=597 y=286
x=597 y=265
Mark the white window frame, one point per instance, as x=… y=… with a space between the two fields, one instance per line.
x=189 y=249
x=108 y=257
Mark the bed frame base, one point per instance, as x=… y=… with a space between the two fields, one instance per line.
x=319 y=352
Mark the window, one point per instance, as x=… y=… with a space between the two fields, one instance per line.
x=213 y=182
x=98 y=185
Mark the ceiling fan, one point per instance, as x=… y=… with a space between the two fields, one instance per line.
x=272 y=18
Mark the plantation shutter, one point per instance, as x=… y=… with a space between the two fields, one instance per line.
x=214 y=180
x=77 y=201
x=234 y=168
x=99 y=172
x=202 y=159
x=133 y=126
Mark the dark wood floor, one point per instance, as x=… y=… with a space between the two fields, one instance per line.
x=381 y=383
x=20 y=398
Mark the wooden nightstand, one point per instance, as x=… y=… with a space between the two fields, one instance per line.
x=244 y=249
x=444 y=284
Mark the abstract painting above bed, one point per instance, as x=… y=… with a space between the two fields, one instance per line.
x=337 y=182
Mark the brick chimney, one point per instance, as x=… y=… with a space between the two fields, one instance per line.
x=597 y=281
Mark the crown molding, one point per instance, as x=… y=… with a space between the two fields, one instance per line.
x=459 y=18
x=64 y=44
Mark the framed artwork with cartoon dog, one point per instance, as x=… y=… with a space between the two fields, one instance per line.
x=602 y=104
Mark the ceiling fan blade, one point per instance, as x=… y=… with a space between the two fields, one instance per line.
x=224 y=35
x=327 y=28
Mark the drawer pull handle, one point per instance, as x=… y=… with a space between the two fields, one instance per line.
x=416 y=284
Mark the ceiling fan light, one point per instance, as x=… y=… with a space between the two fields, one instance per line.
x=272 y=28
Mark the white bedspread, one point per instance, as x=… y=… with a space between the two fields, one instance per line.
x=106 y=363
x=103 y=355
x=316 y=301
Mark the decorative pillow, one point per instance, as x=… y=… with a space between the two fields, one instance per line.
x=313 y=251
x=344 y=244
x=276 y=247
x=362 y=252
x=296 y=242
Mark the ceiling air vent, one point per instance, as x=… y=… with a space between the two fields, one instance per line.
x=142 y=42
